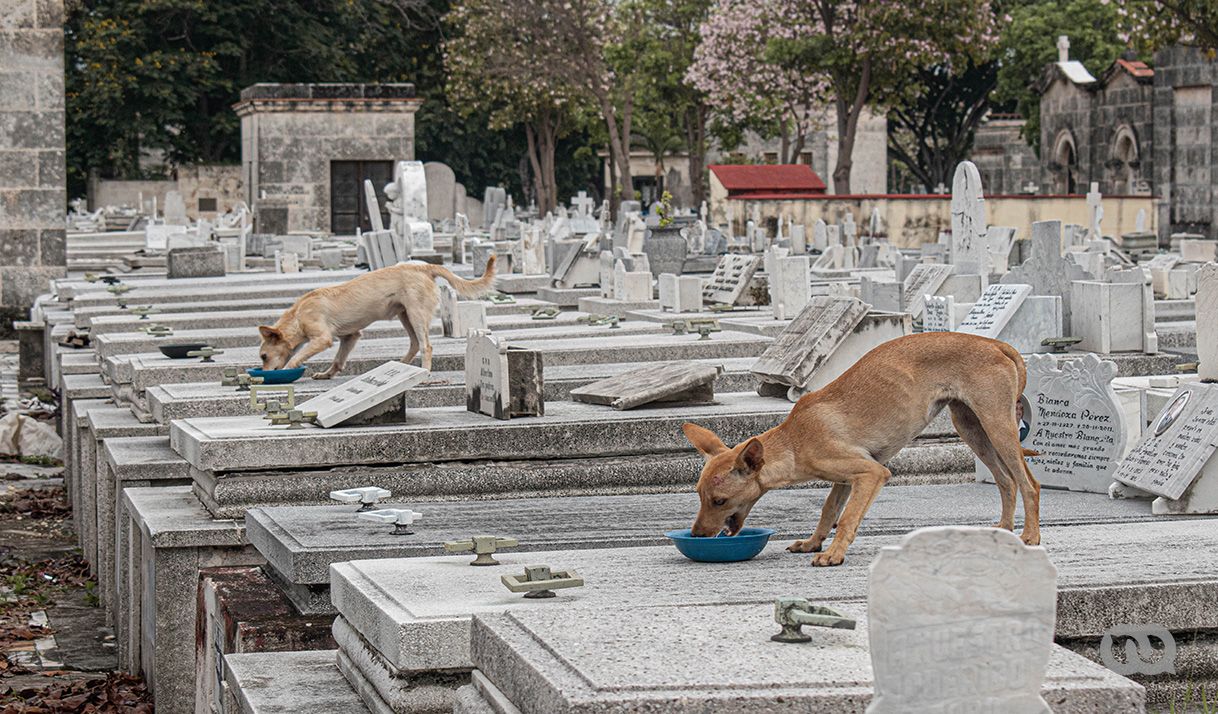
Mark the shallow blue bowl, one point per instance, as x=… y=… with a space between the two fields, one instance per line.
x=277 y=376
x=722 y=549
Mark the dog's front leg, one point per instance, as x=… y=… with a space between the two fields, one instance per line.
x=315 y=345
x=832 y=510
x=346 y=343
x=868 y=477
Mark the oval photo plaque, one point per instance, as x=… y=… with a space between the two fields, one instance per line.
x=1172 y=413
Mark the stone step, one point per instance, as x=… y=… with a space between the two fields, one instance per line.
x=69 y=289
x=209 y=399
x=414 y=613
x=283 y=682
x=300 y=543
x=273 y=307
x=622 y=345
x=547 y=662
x=441 y=434
x=127 y=343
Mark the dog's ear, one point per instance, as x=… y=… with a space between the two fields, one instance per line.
x=704 y=440
x=752 y=456
x=268 y=333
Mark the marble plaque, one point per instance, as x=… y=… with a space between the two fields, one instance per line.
x=1178 y=443
x=363 y=393
x=938 y=313
x=730 y=279
x=960 y=619
x=1072 y=417
x=925 y=279
x=998 y=304
x=809 y=341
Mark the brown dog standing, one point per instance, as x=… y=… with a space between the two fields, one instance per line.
x=845 y=433
x=406 y=291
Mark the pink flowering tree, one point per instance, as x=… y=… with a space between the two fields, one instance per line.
x=1150 y=24
x=775 y=63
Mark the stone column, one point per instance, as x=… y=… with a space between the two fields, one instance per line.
x=33 y=195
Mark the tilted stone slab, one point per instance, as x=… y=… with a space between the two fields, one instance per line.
x=667 y=382
x=809 y=341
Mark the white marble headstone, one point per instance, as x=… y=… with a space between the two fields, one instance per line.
x=486 y=375
x=998 y=304
x=1178 y=443
x=969 y=248
x=938 y=313
x=412 y=185
x=1207 y=321
x=365 y=392
x=960 y=620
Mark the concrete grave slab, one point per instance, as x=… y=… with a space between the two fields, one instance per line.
x=288 y=683
x=660 y=383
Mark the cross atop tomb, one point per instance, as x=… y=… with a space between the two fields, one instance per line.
x=1095 y=208
x=583 y=203
x=1063 y=48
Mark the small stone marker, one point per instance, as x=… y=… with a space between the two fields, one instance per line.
x=939 y=313
x=366 y=496
x=925 y=279
x=730 y=279
x=1074 y=420
x=502 y=381
x=994 y=310
x=668 y=382
x=1175 y=450
x=970 y=250
x=809 y=340
x=363 y=396
x=483 y=546
x=680 y=293
x=960 y=620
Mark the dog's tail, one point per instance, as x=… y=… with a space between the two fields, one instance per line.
x=467 y=288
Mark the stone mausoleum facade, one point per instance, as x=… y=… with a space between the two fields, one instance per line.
x=1136 y=130
x=33 y=193
x=306 y=150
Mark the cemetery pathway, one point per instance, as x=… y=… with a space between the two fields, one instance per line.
x=58 y=655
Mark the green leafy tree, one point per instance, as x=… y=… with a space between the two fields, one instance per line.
x=1029 y=43
x=1151 y=24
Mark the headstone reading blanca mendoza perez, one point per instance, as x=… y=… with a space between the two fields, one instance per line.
x=1070 y=415
x=960 y=620
x=364 y=394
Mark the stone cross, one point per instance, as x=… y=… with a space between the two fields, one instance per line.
x=969 y=248
x=583 y=203
x=849 y=231
x=1095 y=206
x=974 y=636
x=1046 y=270
x=1063 y=48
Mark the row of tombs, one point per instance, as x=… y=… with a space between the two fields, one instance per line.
x=259 y=546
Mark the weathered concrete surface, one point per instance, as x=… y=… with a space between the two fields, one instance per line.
x=288 y=683
x=645 y=660
x=415 y=611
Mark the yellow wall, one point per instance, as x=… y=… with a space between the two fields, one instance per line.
x=912 y=220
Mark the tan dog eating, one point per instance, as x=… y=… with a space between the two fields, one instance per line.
x=845 y=432
x=406 y=291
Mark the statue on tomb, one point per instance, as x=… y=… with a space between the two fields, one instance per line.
x=393 y=204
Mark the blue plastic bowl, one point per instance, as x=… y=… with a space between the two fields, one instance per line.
x=722 y=549
x=277 y=376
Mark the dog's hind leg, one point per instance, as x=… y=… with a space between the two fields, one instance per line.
x=969 y=429
x=829 y=514
x=420 y=317
x=414 y=339
x=346 y=343
x=1000 y=427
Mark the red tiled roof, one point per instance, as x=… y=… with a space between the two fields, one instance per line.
x=1136 y=68
x=770 y=180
